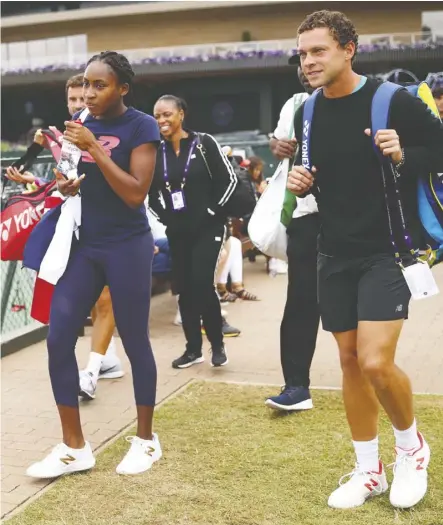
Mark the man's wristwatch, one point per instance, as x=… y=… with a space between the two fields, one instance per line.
x=402 y=160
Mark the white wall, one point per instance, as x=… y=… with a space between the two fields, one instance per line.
x=434 y=20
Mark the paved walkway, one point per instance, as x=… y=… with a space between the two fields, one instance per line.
x=30 y=424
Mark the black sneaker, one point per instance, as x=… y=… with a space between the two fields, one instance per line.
x=228 y=330
x=187 y=359
x=219 y=357
x=291 y=398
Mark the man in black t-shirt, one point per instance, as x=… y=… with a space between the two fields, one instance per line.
x=363 y=294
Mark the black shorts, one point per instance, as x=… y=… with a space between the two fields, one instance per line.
x=362 y=289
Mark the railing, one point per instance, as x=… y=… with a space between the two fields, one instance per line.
x=64 y=53
x=288 y=45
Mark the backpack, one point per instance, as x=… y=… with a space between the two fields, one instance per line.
x=429 y=187
x=245 y=179
x=242 y=201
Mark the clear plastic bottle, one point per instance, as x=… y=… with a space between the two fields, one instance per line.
x=69 y=159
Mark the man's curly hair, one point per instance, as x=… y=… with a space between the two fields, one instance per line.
x=339 y=25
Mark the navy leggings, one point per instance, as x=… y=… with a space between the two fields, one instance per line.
x=126 y=267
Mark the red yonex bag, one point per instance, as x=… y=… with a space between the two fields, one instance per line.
x=23 y=212
x=18 y=219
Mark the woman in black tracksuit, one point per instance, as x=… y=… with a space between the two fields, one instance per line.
x=188 y=199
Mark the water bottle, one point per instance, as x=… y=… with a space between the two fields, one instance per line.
x=69 y=158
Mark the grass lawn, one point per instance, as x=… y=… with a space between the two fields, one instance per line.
x=228 y=460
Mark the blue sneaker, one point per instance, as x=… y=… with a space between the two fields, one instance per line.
x=291 y=398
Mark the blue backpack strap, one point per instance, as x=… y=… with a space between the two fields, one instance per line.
x=308 y=113
x=413 y=89
x=380 y=110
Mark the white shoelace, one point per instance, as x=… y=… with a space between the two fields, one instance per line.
x=138 y=442
x=404 y=464
x=367 y=478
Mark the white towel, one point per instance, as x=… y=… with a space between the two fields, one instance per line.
x=56 y=257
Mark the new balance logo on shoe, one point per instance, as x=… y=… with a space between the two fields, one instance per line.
x=370 y=486
x=420 y=462
x=67 y=459
x=150 y=451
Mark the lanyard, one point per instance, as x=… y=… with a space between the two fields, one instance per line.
x=188 y=162
x=406 y=235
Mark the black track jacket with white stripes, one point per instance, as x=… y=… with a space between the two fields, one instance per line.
x=205 y=194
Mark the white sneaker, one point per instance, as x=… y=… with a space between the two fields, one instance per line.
x=178 y=318
x=111 y=371
x=141 y=456
x=410 y=476
x=361 y=486
x=88 y=385
x=63 y=460
x=277 y=267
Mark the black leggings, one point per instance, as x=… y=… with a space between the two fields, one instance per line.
x=126 y=267
x=299 y=328
x=194 y=260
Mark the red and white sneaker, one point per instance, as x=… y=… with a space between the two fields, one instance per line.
x=410 y=475
x=360 y=486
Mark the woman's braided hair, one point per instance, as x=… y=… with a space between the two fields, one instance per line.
x=121 y=67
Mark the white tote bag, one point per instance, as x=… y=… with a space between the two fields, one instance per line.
x=265 y=228
x=266 y=231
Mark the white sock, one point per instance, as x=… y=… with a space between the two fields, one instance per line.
x=94 y=363
x=112 y=349
x=367 y=454
x=236 y=261
x=111 y=359
x=407 y=439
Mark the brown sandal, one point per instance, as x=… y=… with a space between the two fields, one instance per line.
x=228 y=297
x=246 y=296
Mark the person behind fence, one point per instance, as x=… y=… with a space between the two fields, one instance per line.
x=119 y=147
x=367 y=264
x=233 y=269
x=255 y=170
x=189 y=201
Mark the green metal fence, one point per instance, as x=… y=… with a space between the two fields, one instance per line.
x=17 y=283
